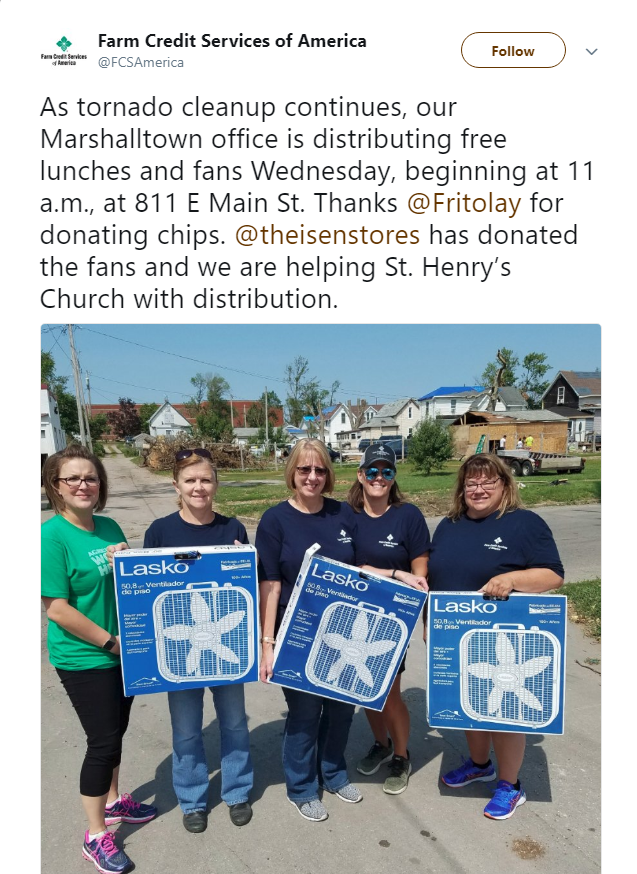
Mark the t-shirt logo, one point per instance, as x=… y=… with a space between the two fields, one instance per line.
x=497 y=545
x=99 y=557
x=388 y=541
x=344 y=538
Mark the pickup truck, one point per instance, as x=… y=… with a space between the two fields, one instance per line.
x=525 y=462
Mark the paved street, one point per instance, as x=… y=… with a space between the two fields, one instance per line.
x=428 y=828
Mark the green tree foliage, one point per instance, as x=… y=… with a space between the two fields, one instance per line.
x=125 y=421
x=98 y=425
x=255 y=416
x=296 y=378
x=431 y=445
x=490 y=371
x=146 y=411
x=67 y=406
x=532 y=382
x=210 y=408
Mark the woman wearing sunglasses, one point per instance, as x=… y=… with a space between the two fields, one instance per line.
x=197 y=524
x=83 y=642
x=311 y=759
x=487 y=543
x=391 y=539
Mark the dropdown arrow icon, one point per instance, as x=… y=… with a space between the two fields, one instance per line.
x=591 y=52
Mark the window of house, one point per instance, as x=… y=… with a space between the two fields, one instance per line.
x=426 y=409
x=410 y=432
x=560 y=394
x=342 y=418
x=453 y=407
x=409 y=412
x=42 y=433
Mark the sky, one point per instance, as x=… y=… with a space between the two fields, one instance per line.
x=152 y=363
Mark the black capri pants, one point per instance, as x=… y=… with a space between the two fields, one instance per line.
x=97 y=694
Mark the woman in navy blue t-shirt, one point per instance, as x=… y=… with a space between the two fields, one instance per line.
x=197 y=524
x=487 y=543
x=391 y=539
x=285 y=532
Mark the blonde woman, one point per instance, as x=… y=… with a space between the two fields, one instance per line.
x=311 y=759
x=197 y=524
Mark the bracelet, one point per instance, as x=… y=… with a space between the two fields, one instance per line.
x=393 y=574
x=271 y=640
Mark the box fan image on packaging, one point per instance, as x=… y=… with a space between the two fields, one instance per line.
x=500 y=675
x=189 y=619
x=344 y=632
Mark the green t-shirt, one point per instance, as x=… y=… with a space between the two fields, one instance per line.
x=75 y=567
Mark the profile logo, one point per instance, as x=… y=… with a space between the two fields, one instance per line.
x=64 y=44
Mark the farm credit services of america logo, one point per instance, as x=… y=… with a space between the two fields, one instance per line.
x=66 y=58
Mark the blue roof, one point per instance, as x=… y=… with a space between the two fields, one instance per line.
x=450 y=390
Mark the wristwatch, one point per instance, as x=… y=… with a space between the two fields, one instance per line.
x=110 y=644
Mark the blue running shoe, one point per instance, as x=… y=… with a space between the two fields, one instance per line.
x=106 y=855
x=505 y=800
x=468 y=773
x=126 y=809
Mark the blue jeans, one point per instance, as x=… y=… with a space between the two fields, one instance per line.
x=190 y=769
x=314 y=741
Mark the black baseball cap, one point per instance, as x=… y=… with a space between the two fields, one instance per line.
x=380 y=455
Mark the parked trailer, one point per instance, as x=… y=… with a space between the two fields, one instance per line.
x=524 y=462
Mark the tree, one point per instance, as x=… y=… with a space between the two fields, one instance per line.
x=296 y=377
x=98 y=425
x=531 y=383
x=431 y=445
x=146 y=412
x=67 y=406
x=255 y=416
x=490 y=371
x=212 y=415
x=125 y=421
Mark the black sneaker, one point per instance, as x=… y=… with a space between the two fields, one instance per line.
x=377 y=756
x=399 y=771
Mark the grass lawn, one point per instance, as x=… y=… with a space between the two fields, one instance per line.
x=249 y=493
x=431 y=493
x=585 y=605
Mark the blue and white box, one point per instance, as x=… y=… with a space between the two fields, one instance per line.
x=496 y=665
x=187 y=617
x=345 y=632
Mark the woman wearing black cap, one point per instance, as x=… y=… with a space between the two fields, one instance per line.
x=392 y=539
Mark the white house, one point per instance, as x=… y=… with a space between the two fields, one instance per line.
x=167 y=422
x=52 y=437
x=449 y=402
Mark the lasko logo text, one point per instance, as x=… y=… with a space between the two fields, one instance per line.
x=142 y=570
x=340 y=579
x=466 y=607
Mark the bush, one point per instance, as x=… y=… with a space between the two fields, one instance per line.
x=431 y=445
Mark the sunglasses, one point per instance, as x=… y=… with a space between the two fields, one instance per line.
x=186 y=453
x=306 y=470
x=387 y=473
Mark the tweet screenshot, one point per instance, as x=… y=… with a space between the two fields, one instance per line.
x=320 y=294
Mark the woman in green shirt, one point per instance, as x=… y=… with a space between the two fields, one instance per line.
x=79 y=598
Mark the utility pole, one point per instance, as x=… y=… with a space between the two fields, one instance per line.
x=78 y=387
x=88 y=391
x=267 y=424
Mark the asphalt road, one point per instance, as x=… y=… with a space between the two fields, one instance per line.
x=429 y=828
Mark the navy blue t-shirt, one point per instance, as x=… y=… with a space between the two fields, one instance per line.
x=285 y=533
x=465 y=554
x=390 y=541
x=174 y=531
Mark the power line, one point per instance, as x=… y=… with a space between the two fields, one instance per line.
x=224 y=366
